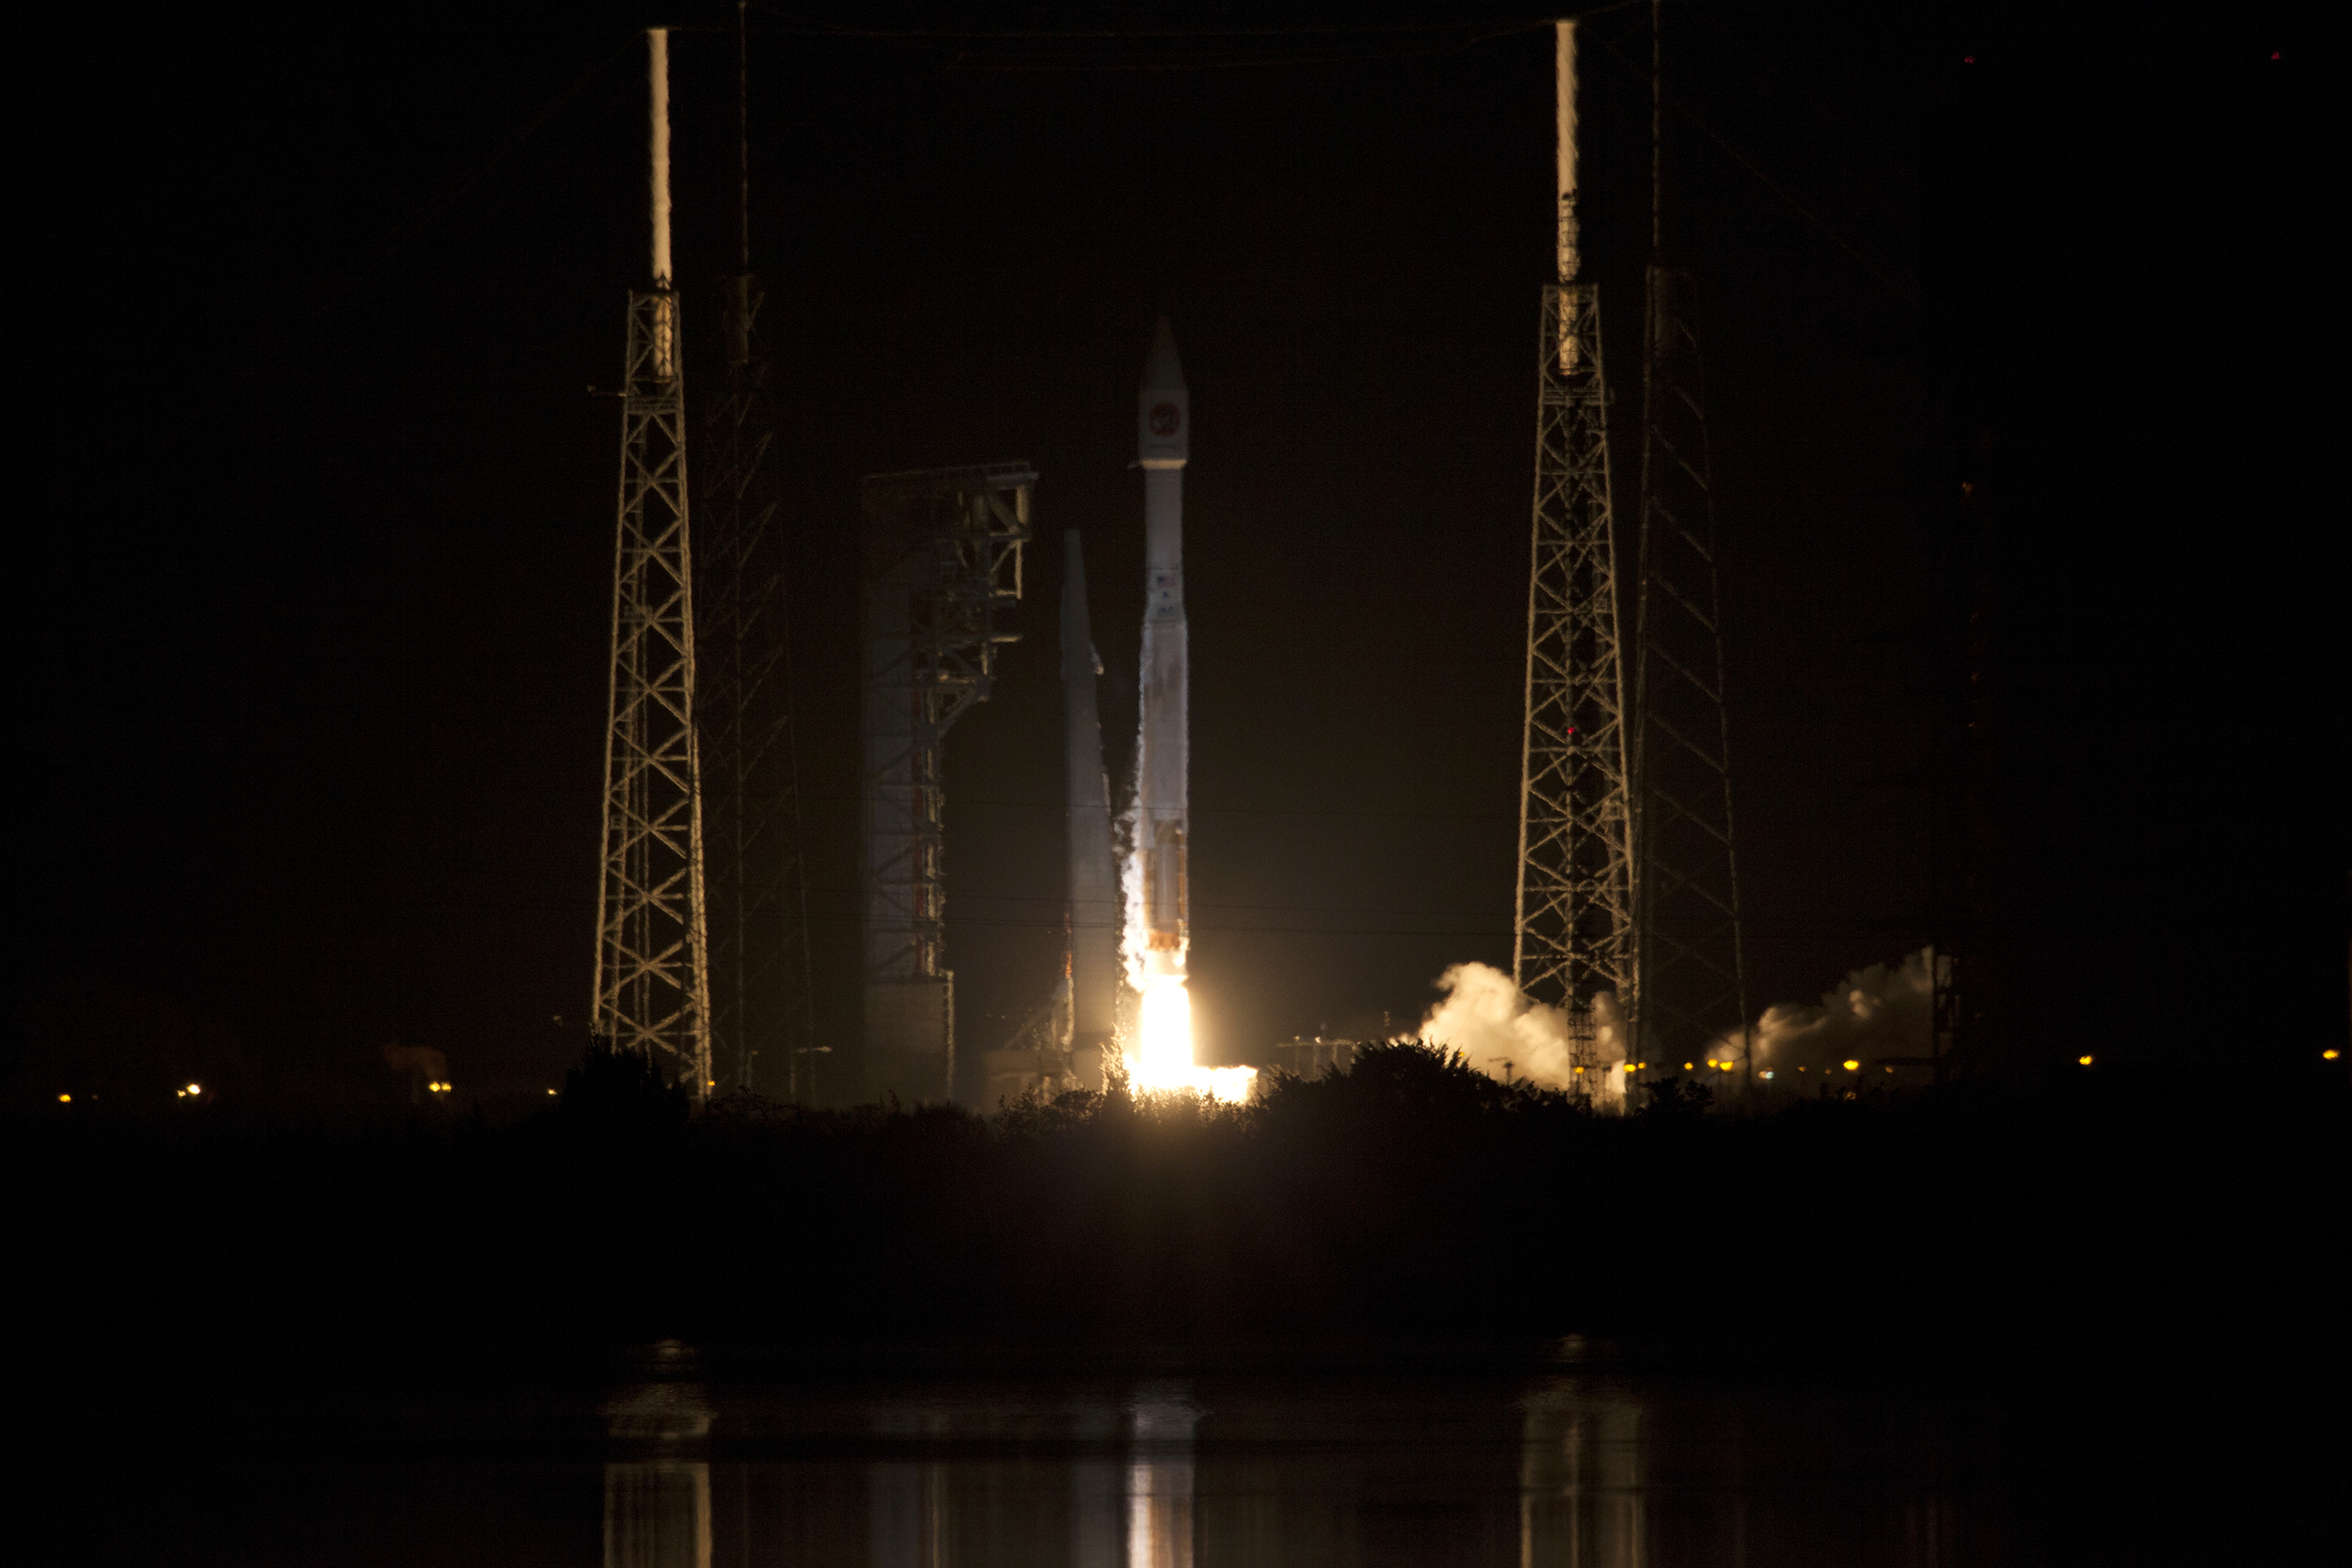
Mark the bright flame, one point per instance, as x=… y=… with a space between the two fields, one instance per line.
x=1164 y=1050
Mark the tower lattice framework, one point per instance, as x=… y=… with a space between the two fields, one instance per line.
x=943 y=563
x=1574 y=936
x=1693 y=976
x=762 y=1023
x=759 y=954
x=1693 y=984
x=652 y=978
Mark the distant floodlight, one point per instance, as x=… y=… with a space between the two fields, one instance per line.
x=550 y=1091
x=1853 y=1065
x=1768 y=1077
x=2082 y=1061
x=65 y=1100
x=195 y=1088
x=2329 y=1055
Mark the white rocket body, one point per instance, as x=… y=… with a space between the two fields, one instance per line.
x=1163 y=442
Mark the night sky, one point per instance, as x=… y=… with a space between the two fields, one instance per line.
x=314 y=563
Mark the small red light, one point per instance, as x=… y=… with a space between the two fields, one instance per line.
x=1971 y=59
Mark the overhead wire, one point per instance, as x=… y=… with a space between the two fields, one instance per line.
x=1445 y=38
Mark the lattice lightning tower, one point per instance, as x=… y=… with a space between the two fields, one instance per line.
x=1574 y=935
x=761 y=996
x=652 y=978
x=1694 y=982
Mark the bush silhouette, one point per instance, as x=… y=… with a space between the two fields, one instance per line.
x=618 y=1089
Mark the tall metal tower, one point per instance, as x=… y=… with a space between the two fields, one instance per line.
x=762 y=1009
x=1686 y=891
x=652 y=978
x=943 y=558
x=1574 y=936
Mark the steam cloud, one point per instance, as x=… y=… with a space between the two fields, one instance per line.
x=1486 y=1018
x=1877 y=1011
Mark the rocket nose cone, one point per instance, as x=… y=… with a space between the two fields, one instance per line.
x=1161 y=371
x=1163 y=408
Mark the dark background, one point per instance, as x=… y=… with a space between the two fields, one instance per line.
x=314 y=563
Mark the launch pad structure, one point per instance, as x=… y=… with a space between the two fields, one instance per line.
x=943 y=556
x=652 y=985
x=1573 y=937
x=1626 y=901
x=762 y=1011
x=1628 y=879
x=1693 y=985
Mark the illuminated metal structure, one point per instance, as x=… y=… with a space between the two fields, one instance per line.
x=1686 y=884
x=1573 y=938
x=761 y=1001
x=652 y=990
x=943 y=559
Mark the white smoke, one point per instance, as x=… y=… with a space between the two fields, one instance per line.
x=1501 y=1033
x=1877 y=1011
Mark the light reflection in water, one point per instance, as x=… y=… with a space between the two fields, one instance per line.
x=906 y=1500
x=1345 y=1472
x=1581 y=1503
x=657 y=1501
x=1160 y=1480
x=1589 y=1468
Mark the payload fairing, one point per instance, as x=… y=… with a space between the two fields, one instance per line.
x=1163 y=443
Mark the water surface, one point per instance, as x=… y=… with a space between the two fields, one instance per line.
x=669 y=1462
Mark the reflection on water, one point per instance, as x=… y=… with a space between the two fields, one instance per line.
x=1581 y=1496
x=656 y=1499
x=1158 y=1474
x=1550 y=1472
x=1159 y=1480
x=906 y=1501
x=678 y=1464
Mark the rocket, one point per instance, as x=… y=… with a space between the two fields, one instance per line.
x=1163 y=442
